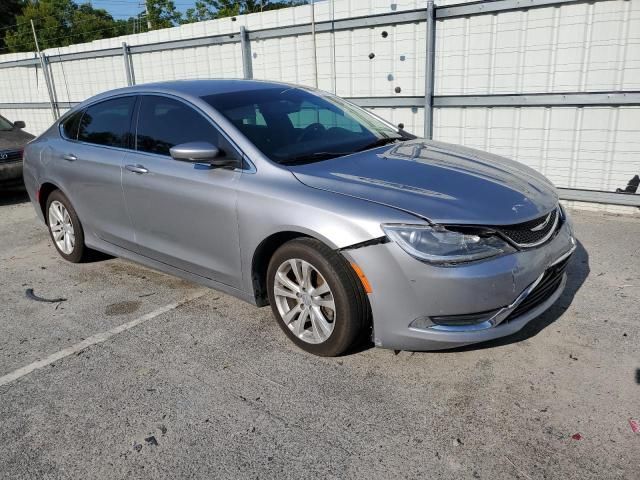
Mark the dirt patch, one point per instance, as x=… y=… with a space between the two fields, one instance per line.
x=122 y=308
x=134 y=270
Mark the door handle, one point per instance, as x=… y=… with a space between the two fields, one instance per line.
x=136 y=168
x=70 y=157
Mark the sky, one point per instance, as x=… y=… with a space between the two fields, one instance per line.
x=123 y=9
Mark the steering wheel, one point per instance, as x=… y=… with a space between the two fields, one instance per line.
x=312 y=131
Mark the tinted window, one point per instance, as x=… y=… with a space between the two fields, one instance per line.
x=296 y=125
x=5 y=124
x=164 y=123
x=107 y=123
x=310 y=113
x=70 y=126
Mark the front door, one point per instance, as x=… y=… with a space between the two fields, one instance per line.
x=184 y=214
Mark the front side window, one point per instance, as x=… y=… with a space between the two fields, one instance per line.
x=164 y=122
x=107 y=123
x=295 y=125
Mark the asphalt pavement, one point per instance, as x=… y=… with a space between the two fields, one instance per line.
x=177 y=381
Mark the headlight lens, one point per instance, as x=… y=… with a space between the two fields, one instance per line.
x=441 y=246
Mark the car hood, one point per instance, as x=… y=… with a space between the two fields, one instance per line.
x=14 y=139
x=437 y=181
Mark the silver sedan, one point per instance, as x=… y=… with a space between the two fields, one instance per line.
x=352 y=229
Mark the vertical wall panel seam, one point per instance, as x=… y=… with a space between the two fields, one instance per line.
x=438 y=87
x=575 y=147
x=372 y=42
x=491 y=84
x=553 y=46
x=612 y=141
x=465 y=60
x=489 y=123
x=545 y=141
x=351 y=56
x=588 y=32
x=438 y=61
x=522 y=54
x=279 y=40
x=515 y=149
x=622 y=51
x=332 y=38
x=463 y=126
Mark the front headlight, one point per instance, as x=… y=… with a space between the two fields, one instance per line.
x=441 y=246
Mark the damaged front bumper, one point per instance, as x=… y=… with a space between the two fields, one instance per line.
x=419 y=306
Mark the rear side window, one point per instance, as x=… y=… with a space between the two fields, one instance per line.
x=107 y=123
x=70 y=126
x=164 y=123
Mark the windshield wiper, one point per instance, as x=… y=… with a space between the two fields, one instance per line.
x=381 y=142
x=311 y=157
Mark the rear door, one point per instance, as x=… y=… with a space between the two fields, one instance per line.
x=89 y=160
x=184 y=214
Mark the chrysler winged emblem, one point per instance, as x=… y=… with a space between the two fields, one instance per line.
x=537 y=228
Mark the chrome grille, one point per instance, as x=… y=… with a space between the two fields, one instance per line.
x=547 y=286
x=9 y=156
x=534 y=232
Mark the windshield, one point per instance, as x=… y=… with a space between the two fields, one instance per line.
x=5 y=124
x=293 y=125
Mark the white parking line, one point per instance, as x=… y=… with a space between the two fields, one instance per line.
x=94 y=339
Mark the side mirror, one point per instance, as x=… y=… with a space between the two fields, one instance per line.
x=201 y=152
x=197 y=152
x=19 y=124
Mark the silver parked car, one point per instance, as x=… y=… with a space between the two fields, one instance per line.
x=349 y=227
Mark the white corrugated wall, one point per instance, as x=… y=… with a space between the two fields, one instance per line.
x=569 y=48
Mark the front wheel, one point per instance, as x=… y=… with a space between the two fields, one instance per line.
x=316 y=297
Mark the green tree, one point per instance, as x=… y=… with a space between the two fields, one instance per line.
x=9 y=10
x=162 y=14
x=60 y=23
x=211 y=9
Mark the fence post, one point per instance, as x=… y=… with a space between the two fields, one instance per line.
x=245 y=45
x=49 y=83
x=45 y=73
x=429 y=70
x=128 y=69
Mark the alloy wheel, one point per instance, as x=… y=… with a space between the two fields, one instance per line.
x=61 y=227
x=304 y=300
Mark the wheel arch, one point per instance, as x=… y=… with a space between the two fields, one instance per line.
x=260 y=261
x=44 y=191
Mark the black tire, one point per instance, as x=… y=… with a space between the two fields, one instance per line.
x=79 y=252
x=352 y=312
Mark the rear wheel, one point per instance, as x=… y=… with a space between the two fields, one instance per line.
x=65 y=228
x=316 y=297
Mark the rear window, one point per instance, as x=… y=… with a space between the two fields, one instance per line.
x=70 y=126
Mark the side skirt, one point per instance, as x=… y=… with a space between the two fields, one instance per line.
x=114 y=250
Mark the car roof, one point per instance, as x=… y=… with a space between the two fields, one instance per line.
x=200 y=88
x=187 y=88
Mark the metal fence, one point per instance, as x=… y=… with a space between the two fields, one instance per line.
x=554 y=84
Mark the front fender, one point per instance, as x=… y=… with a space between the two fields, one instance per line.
x=272 y=204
